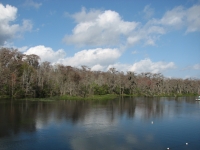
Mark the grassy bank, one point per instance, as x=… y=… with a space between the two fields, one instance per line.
x=161 y=95
x=92 y=97
x=68 y=97
x=98 y=97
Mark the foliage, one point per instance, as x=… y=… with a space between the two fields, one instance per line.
x=22 y=76
x=92 y=97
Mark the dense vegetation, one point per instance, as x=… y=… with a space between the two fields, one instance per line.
x=23 y=76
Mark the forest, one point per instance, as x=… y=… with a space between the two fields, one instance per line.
x=24 y=75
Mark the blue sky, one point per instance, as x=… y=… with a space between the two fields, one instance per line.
x=142 y=36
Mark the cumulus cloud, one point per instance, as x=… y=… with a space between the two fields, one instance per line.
x=119 y=66
x=193 y=19
x=95 y=58
x=147 y=65
x=85 y=16
x=7 y=29
x=31 y=3
x=46 y=53
x=148 y=35
x=107 y=28
x=99 y=28
x=174 y=17
x=8 y=14
x=98 y=67
x=99 y=63
x=134 y=39
x=23 y=48
x=180 y=17
x=98 y=59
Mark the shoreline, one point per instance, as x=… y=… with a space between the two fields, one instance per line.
x=95 y=97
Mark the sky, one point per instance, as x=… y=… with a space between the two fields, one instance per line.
x=156 y=36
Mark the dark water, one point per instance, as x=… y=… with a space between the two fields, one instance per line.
x=126 y=124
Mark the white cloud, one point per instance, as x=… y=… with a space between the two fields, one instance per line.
x=83 y=16
x=150 y=40
x=153 y=29
x=98 y=28
x=31 y=3
x=98 y=67
x=95 y=58
x=98 y=60
x=178 y=18
x=134 y=52
x=7 y=29
x=148 y=12
x=23 y=48
x=134 y=39
x=26 y=25
x=11 y=45
x=120 y=67
x=196 y=67
x=174 y=17
x=46 y=53
x=192 y=67
x=193 y=19
x=8 y=14
x=107 y=28
x=147 y=65
x=147 y=34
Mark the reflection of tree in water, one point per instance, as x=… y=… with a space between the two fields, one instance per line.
x=16 y=118
x=126 y=106
x=59 y=110
x=152 y=107
x=149 y=107
x=177 y=105
x=76 y=111
x=129 y=106
x=22 y=116
x=27 y=116
x=120 y=107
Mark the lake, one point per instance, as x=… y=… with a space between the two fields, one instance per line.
x=121 y=124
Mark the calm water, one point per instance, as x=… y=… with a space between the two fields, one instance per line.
x=126 y=124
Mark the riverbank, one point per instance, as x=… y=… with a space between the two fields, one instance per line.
x=97 y=97
x=92 y=97
x=68 y=97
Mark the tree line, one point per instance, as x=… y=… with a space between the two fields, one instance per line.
x=22 y=76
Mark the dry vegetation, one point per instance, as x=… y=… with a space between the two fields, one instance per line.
x=23 y=76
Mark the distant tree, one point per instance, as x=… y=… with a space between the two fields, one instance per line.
x=25 y=76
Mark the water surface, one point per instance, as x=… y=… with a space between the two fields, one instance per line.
x=121 y=124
